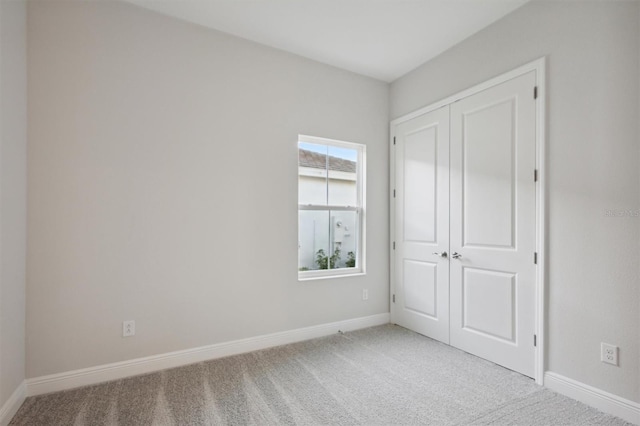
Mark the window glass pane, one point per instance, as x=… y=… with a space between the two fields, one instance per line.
x=327 y=240
x=313 y=239
x=343 y=238
x=342 y=165
x=312 y=174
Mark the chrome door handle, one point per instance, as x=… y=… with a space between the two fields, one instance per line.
x=456 y=255
x=443 y=254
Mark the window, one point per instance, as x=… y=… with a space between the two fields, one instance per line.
x=330 y=208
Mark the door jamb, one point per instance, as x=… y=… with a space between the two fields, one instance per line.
x=539 y=66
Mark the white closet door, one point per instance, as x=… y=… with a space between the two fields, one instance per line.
x=422 y=225
x=493 y=224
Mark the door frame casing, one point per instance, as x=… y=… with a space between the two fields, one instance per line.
x=539 y=66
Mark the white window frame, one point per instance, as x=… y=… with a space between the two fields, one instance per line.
x=359 y=269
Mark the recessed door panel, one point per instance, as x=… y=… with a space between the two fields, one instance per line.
x=420 y=165
x=421 y=289
x=488 y=299
x=488 y=191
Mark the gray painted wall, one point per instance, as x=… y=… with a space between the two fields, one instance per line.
x=13 y=181
x=163 y=185
x=593 y=165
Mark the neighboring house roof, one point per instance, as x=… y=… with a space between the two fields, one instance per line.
x=319 y=161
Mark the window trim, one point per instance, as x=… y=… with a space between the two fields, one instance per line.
x=360 y=209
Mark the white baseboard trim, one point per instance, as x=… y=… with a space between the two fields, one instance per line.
x=134 y=367
x=10 y=408
x=597 y=398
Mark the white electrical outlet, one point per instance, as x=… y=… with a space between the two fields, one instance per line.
x=365 y=294
x=128 y=328
x=609 y=353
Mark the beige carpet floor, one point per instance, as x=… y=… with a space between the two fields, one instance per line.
x=378 y=376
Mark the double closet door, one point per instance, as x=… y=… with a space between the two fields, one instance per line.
x=465 y=224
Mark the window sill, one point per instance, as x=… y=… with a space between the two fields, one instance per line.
x=314 y=276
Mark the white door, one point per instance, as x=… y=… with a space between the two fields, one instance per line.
x=493 y=224
x=422 y=225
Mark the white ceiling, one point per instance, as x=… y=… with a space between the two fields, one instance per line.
x=383 y=39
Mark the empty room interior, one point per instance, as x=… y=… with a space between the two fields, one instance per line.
x=319 y=212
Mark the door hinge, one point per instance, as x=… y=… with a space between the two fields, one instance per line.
x=394 y=298
x=535 y=92
x=535 y=340
x=535 y=258
x=394 y=193
x=394 y=245
x=535 y=175
x=394 y=140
